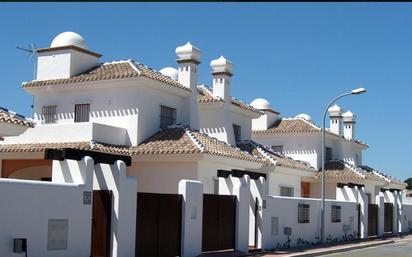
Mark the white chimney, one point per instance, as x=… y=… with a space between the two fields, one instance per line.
x=268 y=117
x=349 y=120
x=335 y=119
x=188 y=59
x=221 y=72
x=67 y=56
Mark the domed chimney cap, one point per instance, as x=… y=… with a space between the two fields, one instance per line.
x=260 y=104
x=170 y=72
x=335 y=111
x=188 y=52
x=221 y=65
x=69 y=38
x=349 y=117
x=304 y=116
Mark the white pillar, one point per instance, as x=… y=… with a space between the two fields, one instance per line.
x=380 y=201
x=242 y=214
x=400 y=212
x=363 y=201
x=192 y=217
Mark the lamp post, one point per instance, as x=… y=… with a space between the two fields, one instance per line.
x=357 y=91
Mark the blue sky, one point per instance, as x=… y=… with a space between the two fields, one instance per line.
x=296 y=55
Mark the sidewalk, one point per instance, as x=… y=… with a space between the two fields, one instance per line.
x=316 y=250
x=335 y=248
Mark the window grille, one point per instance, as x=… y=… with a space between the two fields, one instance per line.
x=167 y=116
x=82 y=113
x=303 y=213
x=237 y=130
x=49 y=114
x=286 y=191
x=336 y=214
x=277 y=148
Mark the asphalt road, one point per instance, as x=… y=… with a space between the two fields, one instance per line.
x=400 y=249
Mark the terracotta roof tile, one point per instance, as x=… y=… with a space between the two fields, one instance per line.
x=380 y=174
x=183 y=140
x=272 y=157
x=205 y=95
x=297 y=125
x=6 y=116
x=40 y=147
x=109 y=71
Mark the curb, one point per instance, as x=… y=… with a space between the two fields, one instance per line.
x=326 y=251
x=345 y=249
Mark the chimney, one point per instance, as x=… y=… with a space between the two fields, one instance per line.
x=221 y=72
x=349 y=120
x=335 y=118
x=67 y=56
x=188 y=59
x=268 y=117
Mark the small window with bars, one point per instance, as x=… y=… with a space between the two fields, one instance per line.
x=336 y=214
x=286 y=191
x=167 y=116
x=82 y=113
x=237 y=130
x=49 y=114
x=277 y=148
x=303 y=213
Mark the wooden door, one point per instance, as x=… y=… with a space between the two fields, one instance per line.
x=219 y=222
x=158 y=225
x=305 y=189
x=388 y=217
x=101 y=220
x=372 y=219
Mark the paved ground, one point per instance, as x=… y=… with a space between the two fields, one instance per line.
x=396 y=249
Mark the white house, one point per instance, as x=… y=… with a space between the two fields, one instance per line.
x=12 y=124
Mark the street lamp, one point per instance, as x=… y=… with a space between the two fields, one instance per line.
x=357 y=91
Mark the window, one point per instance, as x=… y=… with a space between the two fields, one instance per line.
x=237 y=131
x=303 y=213
x=277 y=148
x=286 y=191
x=336 y=213
x=167 y=116
x=49 y=114
x=82 y=113
x=328 y=153
x=274 y=226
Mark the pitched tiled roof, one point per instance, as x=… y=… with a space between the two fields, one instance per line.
x=110 y=71
x=388 y=178
x=183 y=140
x=340 y=170
x=40 y=147
x=297 y=125
x=292 y=125
x=273 y=158
x=8 y=117
x=205 y=95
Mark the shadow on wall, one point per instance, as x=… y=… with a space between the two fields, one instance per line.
x=95 y=114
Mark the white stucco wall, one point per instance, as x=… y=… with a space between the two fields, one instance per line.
x=28 y=206
x=162 y=176
x=277 y=180
x=131 y=104
x=288 y=217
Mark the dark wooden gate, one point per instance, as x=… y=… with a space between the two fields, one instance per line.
x=101 y=220
x=388 y=217
x=219 y=222
x=372 y=219
x=158 y=225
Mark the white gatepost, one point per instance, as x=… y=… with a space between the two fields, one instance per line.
x=400 y=211
x=241 y=190
x=380 y=201
x=363 y=201
x=123 y=220
x=192 y=217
